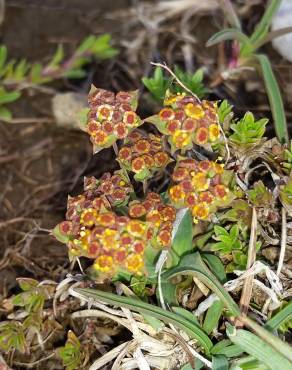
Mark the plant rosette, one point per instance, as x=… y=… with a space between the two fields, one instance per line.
x=111 y=117
x=186 y=121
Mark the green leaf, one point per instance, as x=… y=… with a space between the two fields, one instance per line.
x=5 y=114
x=57 y=58
x=82 y=117
x=102 y=49
x=262 y=27
x=219 y=362
x=75 y=73
x=258 y=348
x=215 y=265
x=20 y=70
x=8 y=97
x=71 y=354
x=248 y=363
x=193 y=265
x=186 y=314
x=248 y=131
x=231 y=351
x=59 y=235
x=275 y=98
x=280 y=318
x=219 y=230
x=27 y=283
x=190 y=328
x=229 y=34
x=226 y=348
x=86 y=44
x=35 y=73
x=225 y=113
x=3 y=56
x=168 y=292
x=213 y=316
x=187 y=367
x=274 y=341
x=152 y=321
x=157 y=85
x=12 y=336
x=182 y=232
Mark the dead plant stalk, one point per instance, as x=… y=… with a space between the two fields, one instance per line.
x=247 y=286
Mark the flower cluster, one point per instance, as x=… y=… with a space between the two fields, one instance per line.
x=186 y=122
x=143 y=155
x=115 y=241
x=158 y=215
x=111 y=117
x=201 y=186
x=115 y=189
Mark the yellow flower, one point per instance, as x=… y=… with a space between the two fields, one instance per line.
x=136 y=228
x=176 y=193
x=171 y=99
x=218 y=168
x=104 y=263
x=214 y=132
x=182 y=139
x=200 y=211
x=200 y=181
x=194 y=111
x=134 y=263
x=109 y=238
x=83 y=239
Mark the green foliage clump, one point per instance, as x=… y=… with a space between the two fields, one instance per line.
x=248 y=131
x=158 y=84
x=18 y=75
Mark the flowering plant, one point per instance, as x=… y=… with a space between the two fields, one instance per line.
x=108 y=223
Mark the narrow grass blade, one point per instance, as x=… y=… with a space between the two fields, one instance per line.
x=275 y=98
x=262 y=27
x=280 y=318
x=136 y=305
x=281 y=347
x=228 y=34
x=258 y=348
x=193 y=264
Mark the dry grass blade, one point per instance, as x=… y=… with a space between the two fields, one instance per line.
x=109 y=356
x=283 y=241
x=247 y=286
x=267 y=305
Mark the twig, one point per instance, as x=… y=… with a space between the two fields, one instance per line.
x=31 y=365
x=247 y=287
x=13 y=221
x=164 y=66
x=225 y=143
x=28 y=120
